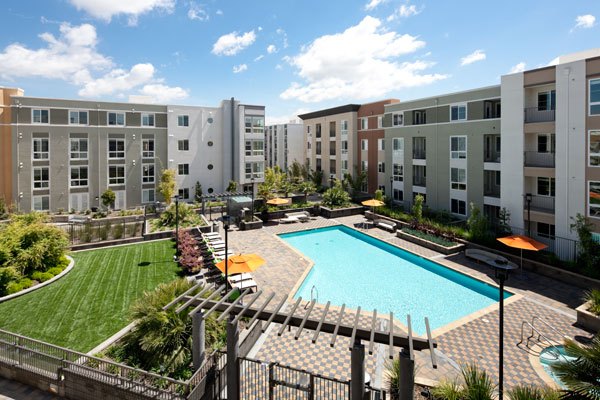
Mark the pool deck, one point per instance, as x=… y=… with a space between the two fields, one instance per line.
x=473 y=339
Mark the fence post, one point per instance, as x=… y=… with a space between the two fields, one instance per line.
x=407 y=376
x=233 y=365
x=198 y=339
x=271 y=384
x=357 y=372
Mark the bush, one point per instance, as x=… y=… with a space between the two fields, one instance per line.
x=429 y=237
x=189 y=253
x=478 y=224
x=417 y=209
x=42 y=276
x=117 y=231
x=13 y=287
x=593 y=296
x=336 y=197
x=55 y=271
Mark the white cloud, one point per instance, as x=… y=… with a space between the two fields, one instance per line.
x=520 y=67
x=372 y=4
x=361 y=62
x=106 y=9
x=283 y=34
x=259 y=58
x=278 y=67
x=71 y=54
x=271 y=49
x=196 y=12
x=584 y=21
x=118 y=80
x=232 y=43
x=284 y=119
x=477 y=55
x=405 y=11
x=239 y=68
x=219 y=12
x=163 y=94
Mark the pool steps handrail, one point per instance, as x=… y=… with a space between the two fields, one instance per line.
x=555 y=351
x=537 y=317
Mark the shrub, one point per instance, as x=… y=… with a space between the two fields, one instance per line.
x=533 y=393
x=13 y=287
x=41 y=276
x=104 y=230
x=108 y=198
x=593 y=296
x=117 y=231
x=7 y=276
x=478 y=225
x=55 y=271
x=336 y=196
x=167 y=184
x=417 y=209
x=189 y=253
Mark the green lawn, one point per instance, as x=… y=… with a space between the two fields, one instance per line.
x=91 y=302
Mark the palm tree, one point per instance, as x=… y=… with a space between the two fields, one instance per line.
x=306 y=187
x=581 y=376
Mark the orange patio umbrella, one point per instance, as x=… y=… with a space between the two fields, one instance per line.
x=241 y=263
x=372 y=203
x=277 y=201
x=523 y=243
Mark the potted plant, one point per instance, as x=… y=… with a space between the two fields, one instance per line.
x=588 y=314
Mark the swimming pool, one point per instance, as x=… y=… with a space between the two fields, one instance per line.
x=358 y=270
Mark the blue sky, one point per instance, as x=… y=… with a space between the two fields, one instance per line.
x=291 y=56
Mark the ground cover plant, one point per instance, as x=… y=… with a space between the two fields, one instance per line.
x=91 y=302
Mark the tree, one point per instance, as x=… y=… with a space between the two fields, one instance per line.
x=417 y=209
x=108 y=198
x=504 y=217
x=198 y=191
x=378 y=195
x=580 y=373
x=477 y=223
x=306 y=187
x=232 y=187
x=589 y=249
x=167 y=185
x=336 y=196
x=317 y=178
x=354 y=184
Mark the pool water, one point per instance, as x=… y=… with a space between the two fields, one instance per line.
x=358 y=270
x=553 y=355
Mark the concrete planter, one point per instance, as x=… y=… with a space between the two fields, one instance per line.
x=430 y=245
x=340 y=212
x=586 y=319
x=255 y=224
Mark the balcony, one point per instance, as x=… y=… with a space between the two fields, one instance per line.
x=537 y=159
x=534 y=114
x=543 y=204
x=419 y=181
x=418 y=154
x=491 y=191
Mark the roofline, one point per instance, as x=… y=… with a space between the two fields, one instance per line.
x=90 y=101
x=330 y=111
x=445 y=94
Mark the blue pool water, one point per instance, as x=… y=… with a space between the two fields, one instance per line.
x=358 y=270
x=553 y=355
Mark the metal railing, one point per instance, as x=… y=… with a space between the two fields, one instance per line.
x=538 y=159
x=107 y=229
x=543 y=204
x=534 y=114
x=491 y=157
x=491 y=192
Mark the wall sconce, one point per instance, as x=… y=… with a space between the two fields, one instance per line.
x=20 y=195
x=134 y=136
x=20 y=135
x=20 y=165
x=133 y=162
x=171 y=161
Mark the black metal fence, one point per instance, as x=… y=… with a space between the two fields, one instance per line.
x=102 y=230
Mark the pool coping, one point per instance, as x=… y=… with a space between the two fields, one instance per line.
x=537 y=366
x=434 y=333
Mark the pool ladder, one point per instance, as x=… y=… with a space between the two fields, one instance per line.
x=540 y=335
x=313 y=289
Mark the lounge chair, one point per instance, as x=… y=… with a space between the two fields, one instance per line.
x=240 y=277
x=245 y=284
x=302 y=216
x=487 y=257
x=384 y=224
x=289 y=220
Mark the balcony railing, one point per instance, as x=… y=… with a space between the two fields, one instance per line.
x=332 y=152
x=419 y=181
x=418 y=154
x=491 y=157
x=491 y=192
x=533 y=114
x=540 y=203
x=537 y=159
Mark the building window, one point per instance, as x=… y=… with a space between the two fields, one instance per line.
x=458 y=113
x=332 y=129
x=41 y=178
x=255 y=147
x=148 y=148
x=183 y=169
x=546 y=143
x=79 y=149
x=594 y=149
x=40 y=149
x=318 y=149
x=40 y=116
x=183 y=145
x=546 y=230
x=398 y=144
x=147 y=119
x=254 y=170
x=116 y=175
x=380 y=121
x=594 y=199
x=419 y=175
x=255 y=124
x=344 y=147
x=41 y=203
x=364 y=166
x=148 y=173
x=458 y=207
x=419 y=148
x=364 y=123
x=79 y=176
x=419 y=117
x=318 y=164
x=398 y=172
x=308 y=130
x=398 y=195
x=332 y=169
x=547 y=100
x=116 y=118
x=594 y=97
x=397 y=119
x=116 y=148
x=183 y=120
x=545 y=186
x=458 y=147
x=210 y=143
x=184 y=193
x=332 y=148
x=318 y=130
x=344 y=167
x=148 y=196
x=380 y=144
x=458 y=178
x=78 y=117
x=381 y=167
x=344 y=127
x=364 y=144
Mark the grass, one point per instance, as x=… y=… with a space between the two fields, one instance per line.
x=91 y=302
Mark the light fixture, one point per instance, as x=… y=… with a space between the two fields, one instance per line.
x=133 y=162
x=20 y=165
x=20 y=135
x=134 y=136
x=20 y=195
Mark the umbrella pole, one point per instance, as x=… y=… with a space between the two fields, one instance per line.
x=521 y=261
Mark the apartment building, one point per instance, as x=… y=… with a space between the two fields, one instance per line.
x=371 y=142
x=446 y=148
x=208 y=145
x=330 y=137
x=284 y=144
x=551 y=145
x=63 y=154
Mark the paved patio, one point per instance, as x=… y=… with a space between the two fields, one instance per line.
x=473 y=339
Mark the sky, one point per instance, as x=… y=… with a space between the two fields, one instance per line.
x=290 y=56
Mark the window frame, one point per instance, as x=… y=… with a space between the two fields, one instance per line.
x=153 y=195
x=458 y=205
x=551 y=186
x=41 y=116
x=79 y=113
x=381 y=144
x=458 y=184
x=151 y=117
x=147 y=178
x=398 y=172
x=589 y=205
x=381 y=167
x=117 y=167
x=41 y=152
x=185 y=167
x=78 y=151
x=34 y=202
x=595 y=103
x=590 y=153
x=456 y=154
x=364 y=144
x=148 y=153
x=116 y=113
x=183 y=120
x=185 y=195
x=458 y=107
x=44 y=183
x=116 y=152
x=183 y=145
x=79 y=178
x=398 y=116
x=364 y=123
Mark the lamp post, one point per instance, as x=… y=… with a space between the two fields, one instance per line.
x=391 y=190
x=177 y=227
x=501 y=272
x=528 y=198
x=226 y=227
x=252 y=208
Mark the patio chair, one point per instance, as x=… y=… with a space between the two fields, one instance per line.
x=288 y=220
